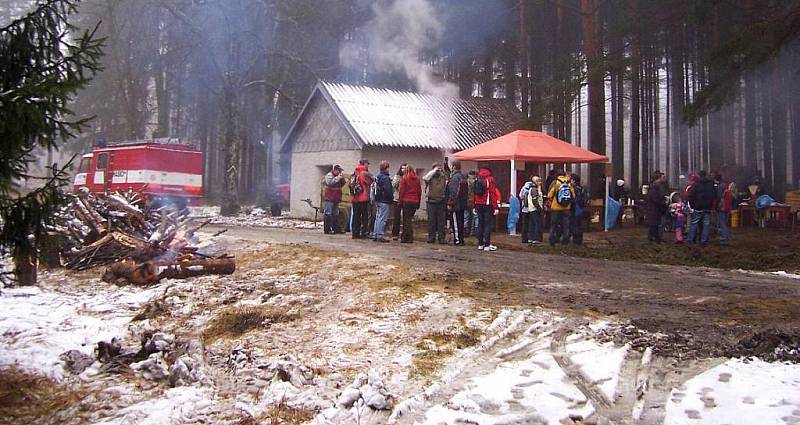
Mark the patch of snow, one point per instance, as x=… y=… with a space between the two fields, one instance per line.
x=177 y=405
x=38 y=324
x=532 y=390
x=600 y=363
x=253 y=217
x=780 y=273
x=738 y=392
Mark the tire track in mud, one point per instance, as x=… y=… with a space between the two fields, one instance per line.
x=558 y=346
x=478 y=361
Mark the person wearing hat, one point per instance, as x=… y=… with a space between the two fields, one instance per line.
x=332 y=196
x=620 y=194
x=656 y=207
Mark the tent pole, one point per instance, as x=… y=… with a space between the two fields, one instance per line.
x=605 y=203
x=513 y=232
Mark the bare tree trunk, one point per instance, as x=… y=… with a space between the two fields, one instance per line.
x=25 y=265
x=766 y=136
x=618 y=107
x=488 y=77
x=679 y=154
x=524 y=84
x=779 y=133
x=795 y=140
x=162 y=100
x=636 y=57
x=597 y=119
x=230 y=195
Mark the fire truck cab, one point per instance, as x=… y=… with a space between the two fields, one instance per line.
x=164 y=172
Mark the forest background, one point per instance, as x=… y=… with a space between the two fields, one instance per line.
x=674 y=85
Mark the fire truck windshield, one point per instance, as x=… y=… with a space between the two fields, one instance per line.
x=85 y=164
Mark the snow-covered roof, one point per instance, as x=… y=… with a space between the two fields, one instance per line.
x=383 y=117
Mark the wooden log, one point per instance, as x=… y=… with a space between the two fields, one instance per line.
x=128 y=271
x=197 y=267
x=150 y=272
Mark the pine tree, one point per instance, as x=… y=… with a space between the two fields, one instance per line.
x=43 y=64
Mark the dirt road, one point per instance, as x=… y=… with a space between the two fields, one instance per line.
x=679 y=310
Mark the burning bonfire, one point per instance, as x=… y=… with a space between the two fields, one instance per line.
x=140 y=245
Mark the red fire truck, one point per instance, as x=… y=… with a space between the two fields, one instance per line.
x=165 y=172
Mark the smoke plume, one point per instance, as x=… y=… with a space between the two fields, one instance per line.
x=394 y=38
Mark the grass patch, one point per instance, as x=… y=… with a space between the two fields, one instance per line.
x=288 y=258
x=29 y=398
x=430 y=359
x=749 y=249
x=460 y=339
x=427 y=362
x=237 y=321
x=281 y=414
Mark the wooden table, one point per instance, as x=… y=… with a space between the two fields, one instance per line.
x=778 y=216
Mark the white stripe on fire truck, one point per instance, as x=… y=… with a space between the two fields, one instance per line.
x=157 y=177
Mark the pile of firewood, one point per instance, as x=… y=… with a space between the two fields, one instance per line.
x=141 y=245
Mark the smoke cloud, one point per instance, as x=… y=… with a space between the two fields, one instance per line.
x=394 y=38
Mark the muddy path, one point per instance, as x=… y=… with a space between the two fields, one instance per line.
x=679 y=311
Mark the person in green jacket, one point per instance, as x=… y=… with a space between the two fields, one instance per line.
x=436 y=190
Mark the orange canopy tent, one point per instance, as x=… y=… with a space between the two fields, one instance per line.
x=529 y=146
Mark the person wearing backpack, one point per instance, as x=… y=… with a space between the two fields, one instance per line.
x=525 y=201
x=536 y=208
x=457 y=192
x=383 y=200
x=410 y=195
x=332 y=195
x=397 y=211
x=470 y=216
x=360 y=183
x=578 y=211
x=436 y=188
x=560 y=195
x=487 y=205
x=702 y=198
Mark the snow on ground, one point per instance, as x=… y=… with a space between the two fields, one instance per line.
x=738 y=391
x=253 y=217
x=175 y=405
x=342 y=318
x=40 y=323
x=780 y=273
x=599 y=363
x=532 y=390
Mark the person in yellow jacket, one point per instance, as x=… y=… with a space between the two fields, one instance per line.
x=561 y=196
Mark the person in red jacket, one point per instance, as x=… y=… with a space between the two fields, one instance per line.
x=486 y=199
x=360 y=183
x=410 y=195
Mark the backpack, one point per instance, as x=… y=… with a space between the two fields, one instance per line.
x=564 y=195
x=355 y=186
x=373 y=191
x=463 y=188
x=479 y=187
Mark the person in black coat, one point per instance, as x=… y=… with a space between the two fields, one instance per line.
x=656 y=207
x=701 y=198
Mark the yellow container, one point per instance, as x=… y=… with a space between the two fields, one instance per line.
x=735 y=218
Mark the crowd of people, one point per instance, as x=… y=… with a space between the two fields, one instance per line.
x=465 y=203
x=703 y=197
